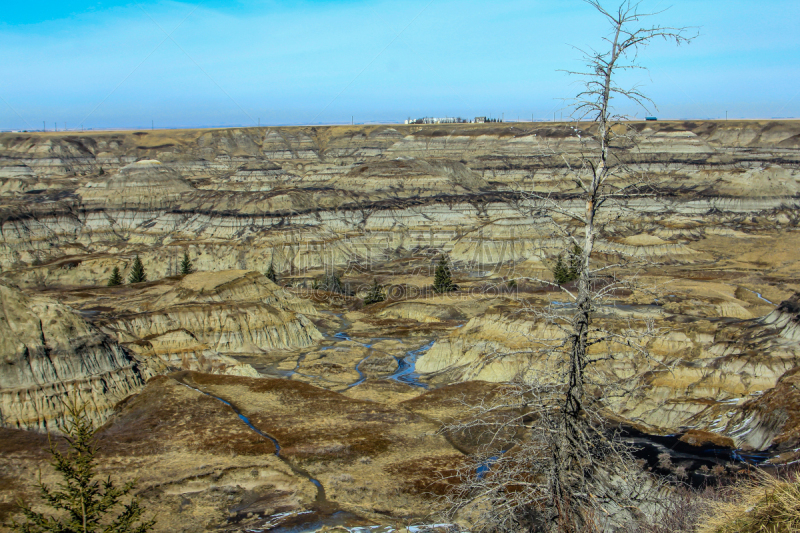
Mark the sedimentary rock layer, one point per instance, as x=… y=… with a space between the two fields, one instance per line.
x=196 y=322
x=307 y=197
x=51 y=357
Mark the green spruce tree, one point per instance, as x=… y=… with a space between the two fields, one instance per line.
x=116 y=278
x=83 y=504
x=443 y=280
x=575 y=265
x=137 y=274
x=569 y=270
x=186 y=265
x=560 y=273
x=271 y=275
x=375 y=294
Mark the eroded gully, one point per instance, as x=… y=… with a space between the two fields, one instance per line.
x=405 y=373
x=321 y=499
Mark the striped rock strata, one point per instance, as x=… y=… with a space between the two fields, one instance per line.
x=708 y=374
x=196 y=322
x=51 y=355
x=304 y=197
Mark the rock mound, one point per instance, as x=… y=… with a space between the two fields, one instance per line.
x=49 y=352
x=146 y=183
x=786 y=318
x=203 y=316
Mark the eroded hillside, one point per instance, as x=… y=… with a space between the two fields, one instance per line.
x=716 y=247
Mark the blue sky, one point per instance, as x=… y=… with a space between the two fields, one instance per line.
x=117 y=64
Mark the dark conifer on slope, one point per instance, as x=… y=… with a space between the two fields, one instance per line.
x=560 y=272
x=116 y=278
x=375 y=294
x=186 y=265
x=271 y=273
x=137 y=274
x=82 y=503
x=443 y=280
x=566 y=272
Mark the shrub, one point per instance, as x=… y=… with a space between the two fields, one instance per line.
x=763 y=503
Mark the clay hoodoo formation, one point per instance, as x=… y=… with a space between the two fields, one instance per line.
x=198 y=321
x=52 y=355
x=772 y=419
x=351 y=395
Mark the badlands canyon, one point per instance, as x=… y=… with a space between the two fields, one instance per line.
x=240 y=404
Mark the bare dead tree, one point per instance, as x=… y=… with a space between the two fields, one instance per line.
x=562 y=469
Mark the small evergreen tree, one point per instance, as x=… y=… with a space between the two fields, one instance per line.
x=116 y=278
x=333 y=283
x=271 y=273
x=570 y=270
x=85 y=503
x=186 y=265
x=375 y=294
x=560 y=272
x=575 y=265
x=138 y=274
x=443 y=280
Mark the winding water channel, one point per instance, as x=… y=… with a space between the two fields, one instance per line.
x=406 y=365
x=327 y=514
x=321 y=498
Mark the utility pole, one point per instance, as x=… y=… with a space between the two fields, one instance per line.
x=44 y=128
x=352 y=121
x=726 y=115
x=152 y=125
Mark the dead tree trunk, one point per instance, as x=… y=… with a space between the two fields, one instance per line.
x=569 y=475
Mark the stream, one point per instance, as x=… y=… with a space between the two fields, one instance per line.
x=326 y=514
x=648 y=447
x=406 y=365
x=758 y=294
x=321 y=498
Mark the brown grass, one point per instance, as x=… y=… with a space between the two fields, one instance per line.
x=166 y=415
x=336 y=427
x=428 y=476
x=762 y=503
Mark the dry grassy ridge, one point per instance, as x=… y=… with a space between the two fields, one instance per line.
x=762 y=503
x=199 y=466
